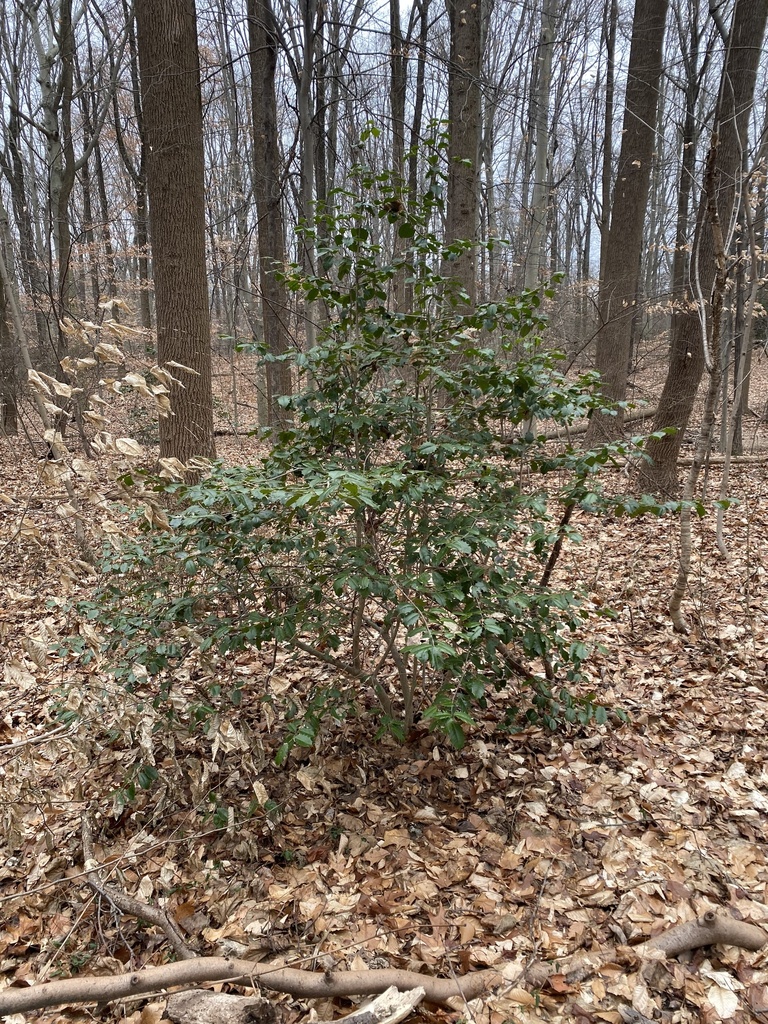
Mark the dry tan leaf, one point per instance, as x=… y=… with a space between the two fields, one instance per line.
x=37 y=650
x=38 y=383
x=641 y=999
x=260 y=792
x=181 y=366
x=156 y=516
x=558 y=983
x=127 y=446
x=152 y=1013
x=108 y=353
x=146 y=888
x=171 y=469
x=521 y=997
x=725 y=1002
x=95 y=418
x=18 y=675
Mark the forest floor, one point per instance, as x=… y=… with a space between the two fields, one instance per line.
x=516 y=850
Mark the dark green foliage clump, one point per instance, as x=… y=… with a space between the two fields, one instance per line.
x=403 y=529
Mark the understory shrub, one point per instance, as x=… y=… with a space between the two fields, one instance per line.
x=402 y=531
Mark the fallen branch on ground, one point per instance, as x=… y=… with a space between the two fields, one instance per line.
x=710 y=929
x=305 y=984
x=128 y=904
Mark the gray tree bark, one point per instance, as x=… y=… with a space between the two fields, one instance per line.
x=687 y=352
x=618 y=287
x=173 y=123
x=464 y=114
x=540 y=127
x=263 y=42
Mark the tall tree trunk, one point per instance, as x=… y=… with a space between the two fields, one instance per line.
x=422 y=6
x=9 y=381
x=173 y=122
x=308 y=9
x=618 y=287
x=464 y=140
x=418 y=101
x=610 y=22
x=140 y=183
x=755 y=221
x=263 y=43
x=56 y=93
x=30 y=272
x=90 y=114
x=397 y=91
x=534 y=260
x=137 y=170
x=687 y=353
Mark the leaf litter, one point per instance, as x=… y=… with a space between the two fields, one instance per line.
x=518 y=849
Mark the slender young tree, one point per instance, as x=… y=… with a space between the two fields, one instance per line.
x=610 y=23
x=9 y=380
x=173 y=124
x=136 y=167
x=398 y=81
x=534 y=259
x=267 y=185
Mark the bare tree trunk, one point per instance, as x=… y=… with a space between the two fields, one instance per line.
x=418 y=114
x=56 y=92
x=170 y=86
x=713 y=327
x=308 y=8
x=30 y=273
x=397 y=91
x=418 y=101
x=464 y=140
x=618 y=288
x=688 y=143
x=540 y=127
x=90 y=113
x=687 y=356
x=52 y=436
x=742 y=361
x=9 y=381
x=140 y=184
x=755 y=222
x=262 y=35
x=137 y=170
x=31 y=276
x=610 y=22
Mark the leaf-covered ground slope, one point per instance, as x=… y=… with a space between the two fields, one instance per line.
x=518 y=849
